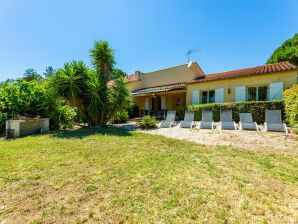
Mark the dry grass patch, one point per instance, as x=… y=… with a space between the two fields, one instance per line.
x=118 y=176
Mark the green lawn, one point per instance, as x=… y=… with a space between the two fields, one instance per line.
x=115 y=176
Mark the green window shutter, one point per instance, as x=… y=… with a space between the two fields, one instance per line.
x=219 y=95
x=195 y=97
x=240 y=93
x=276 y=90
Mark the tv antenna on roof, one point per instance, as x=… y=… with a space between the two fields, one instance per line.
x=190 y=52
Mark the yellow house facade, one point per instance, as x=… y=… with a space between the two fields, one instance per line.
x=173 y=88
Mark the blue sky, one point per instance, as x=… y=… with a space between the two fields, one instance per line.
x=146 y=35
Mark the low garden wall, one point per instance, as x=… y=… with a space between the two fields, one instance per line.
x=256 y=108
x=17 y=128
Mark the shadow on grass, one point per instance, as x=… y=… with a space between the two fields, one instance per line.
x=85 y=132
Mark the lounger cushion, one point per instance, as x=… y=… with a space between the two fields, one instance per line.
x=188 y=119
x=228 y=125
x=166 y=124
x=205 y=125
x=249 y=126
x=186 y=124
x=207 y=118
x=275 y=127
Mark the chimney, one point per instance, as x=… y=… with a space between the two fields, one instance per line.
x=138 y=75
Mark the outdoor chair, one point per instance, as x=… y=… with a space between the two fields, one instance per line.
x=169 y=121
x=207 y=120
x=226 y=120
x=246 y=122
x=273 y=121
x=188 y=121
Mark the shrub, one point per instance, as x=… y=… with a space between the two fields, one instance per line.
x=291 y=107
x=256 y=108
x=61 y=117
x=148 y=122
x=21 y=97
x=120 y=117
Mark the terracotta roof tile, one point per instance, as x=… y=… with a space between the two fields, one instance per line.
x=263 y=69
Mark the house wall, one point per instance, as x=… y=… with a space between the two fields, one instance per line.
x=168 y=76
x=289 y=78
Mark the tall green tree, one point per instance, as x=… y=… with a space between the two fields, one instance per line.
x=32 y=75
x=87 y=89
x=288 y=51
x=49 y=72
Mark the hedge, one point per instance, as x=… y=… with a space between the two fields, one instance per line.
x=291 y=107
x=256 y=108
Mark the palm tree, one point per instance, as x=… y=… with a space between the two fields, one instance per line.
x=103 y=60
x=87 y=89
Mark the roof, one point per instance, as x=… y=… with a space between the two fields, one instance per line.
x=263 y=69
x=137 y=76
x=157 y=89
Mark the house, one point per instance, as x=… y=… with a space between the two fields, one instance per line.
x=174 y=88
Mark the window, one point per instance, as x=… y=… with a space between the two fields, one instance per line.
x=262 y=96
x=257 y=93
x=208 y=96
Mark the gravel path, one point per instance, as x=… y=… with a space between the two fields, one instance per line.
x=249 y=140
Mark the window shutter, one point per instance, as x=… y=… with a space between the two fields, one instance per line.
x=219 y=95
x=163 y=102
x=240 y=94
x=147 y=103
x=276 y=90
x=195 y=97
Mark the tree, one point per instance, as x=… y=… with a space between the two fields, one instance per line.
x=115 y=98
x=73 y=83
x=288 y=51
x=49 y=72
x=117 y=73
x=31 y=75
x=87 y=90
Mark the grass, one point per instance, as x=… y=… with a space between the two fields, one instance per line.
x=115 y=176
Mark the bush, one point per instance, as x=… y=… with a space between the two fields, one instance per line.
x=61 y=117
x=120 y=117
x=148 y=122
x=291 y=107
x=21 y=97
x=256 y=108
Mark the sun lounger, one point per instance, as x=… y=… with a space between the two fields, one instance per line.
x=273 y=121
x=207 y=120
x=169 y=121
x=188 y=121
x=246 y=122
x=226 y=120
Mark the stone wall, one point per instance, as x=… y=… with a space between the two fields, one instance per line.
x=17 y=128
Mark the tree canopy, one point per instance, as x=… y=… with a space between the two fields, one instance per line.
x=32 y=75
x=288 y=51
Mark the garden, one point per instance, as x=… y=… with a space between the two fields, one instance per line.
x=87 y=171
x=112 y=175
